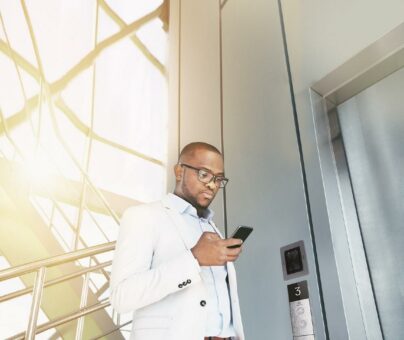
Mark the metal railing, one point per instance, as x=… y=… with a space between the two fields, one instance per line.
x=40 y=267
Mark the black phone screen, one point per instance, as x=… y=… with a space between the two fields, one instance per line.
x=241 y=233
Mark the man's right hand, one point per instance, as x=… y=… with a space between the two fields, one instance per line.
x=211 y=250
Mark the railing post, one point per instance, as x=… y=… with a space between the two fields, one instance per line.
x=83 y=303
x=36 y=302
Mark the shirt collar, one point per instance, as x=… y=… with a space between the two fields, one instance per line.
x=184 y=207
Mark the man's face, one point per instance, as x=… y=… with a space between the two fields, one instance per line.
x=189 y=187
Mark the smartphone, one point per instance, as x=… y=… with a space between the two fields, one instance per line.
x=241 y=233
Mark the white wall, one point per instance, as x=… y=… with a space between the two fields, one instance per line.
x=323 y=34
x=194 y=81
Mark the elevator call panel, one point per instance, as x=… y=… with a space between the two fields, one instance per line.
x=294 y=265
x=294 y=262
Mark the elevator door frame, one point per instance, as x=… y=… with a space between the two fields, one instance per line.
x=353 y=285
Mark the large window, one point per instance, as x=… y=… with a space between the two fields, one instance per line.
x=83 y=134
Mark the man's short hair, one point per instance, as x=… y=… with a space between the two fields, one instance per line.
x=191 y=148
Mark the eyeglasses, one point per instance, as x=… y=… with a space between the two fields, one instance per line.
x=206 y=177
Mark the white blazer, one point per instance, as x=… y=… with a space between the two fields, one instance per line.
x=155 y=275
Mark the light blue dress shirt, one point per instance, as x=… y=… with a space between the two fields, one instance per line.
x=219 y=321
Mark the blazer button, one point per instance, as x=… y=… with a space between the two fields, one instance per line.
x=203 y=303
x=180 y=285
x=188 y=281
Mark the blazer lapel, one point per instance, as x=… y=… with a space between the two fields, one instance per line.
x=180 y=225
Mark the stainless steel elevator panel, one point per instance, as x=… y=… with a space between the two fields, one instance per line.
x=372 y=126
x=262 y=161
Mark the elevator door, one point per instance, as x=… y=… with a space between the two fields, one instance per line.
x=372 y=127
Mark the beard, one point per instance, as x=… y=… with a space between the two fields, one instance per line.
x=193 y=198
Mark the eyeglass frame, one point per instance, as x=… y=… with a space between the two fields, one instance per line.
x=214 y=178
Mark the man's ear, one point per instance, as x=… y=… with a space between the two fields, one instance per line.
x=178 y=171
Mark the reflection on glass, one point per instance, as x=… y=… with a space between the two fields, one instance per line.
x=372 y=125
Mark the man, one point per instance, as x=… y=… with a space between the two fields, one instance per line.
x=172 y=267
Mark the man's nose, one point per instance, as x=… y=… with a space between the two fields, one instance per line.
x=211 y=185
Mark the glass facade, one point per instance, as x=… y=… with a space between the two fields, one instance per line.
x=83 y=135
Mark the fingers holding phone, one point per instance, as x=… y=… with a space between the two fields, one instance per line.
x=211 y=250
x=234 y=250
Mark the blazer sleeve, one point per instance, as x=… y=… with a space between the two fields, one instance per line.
x=134 y=284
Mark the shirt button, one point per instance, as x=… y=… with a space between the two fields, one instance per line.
x=180 y=285
x=188 y=281
x=203 y=303
x=184 y=283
